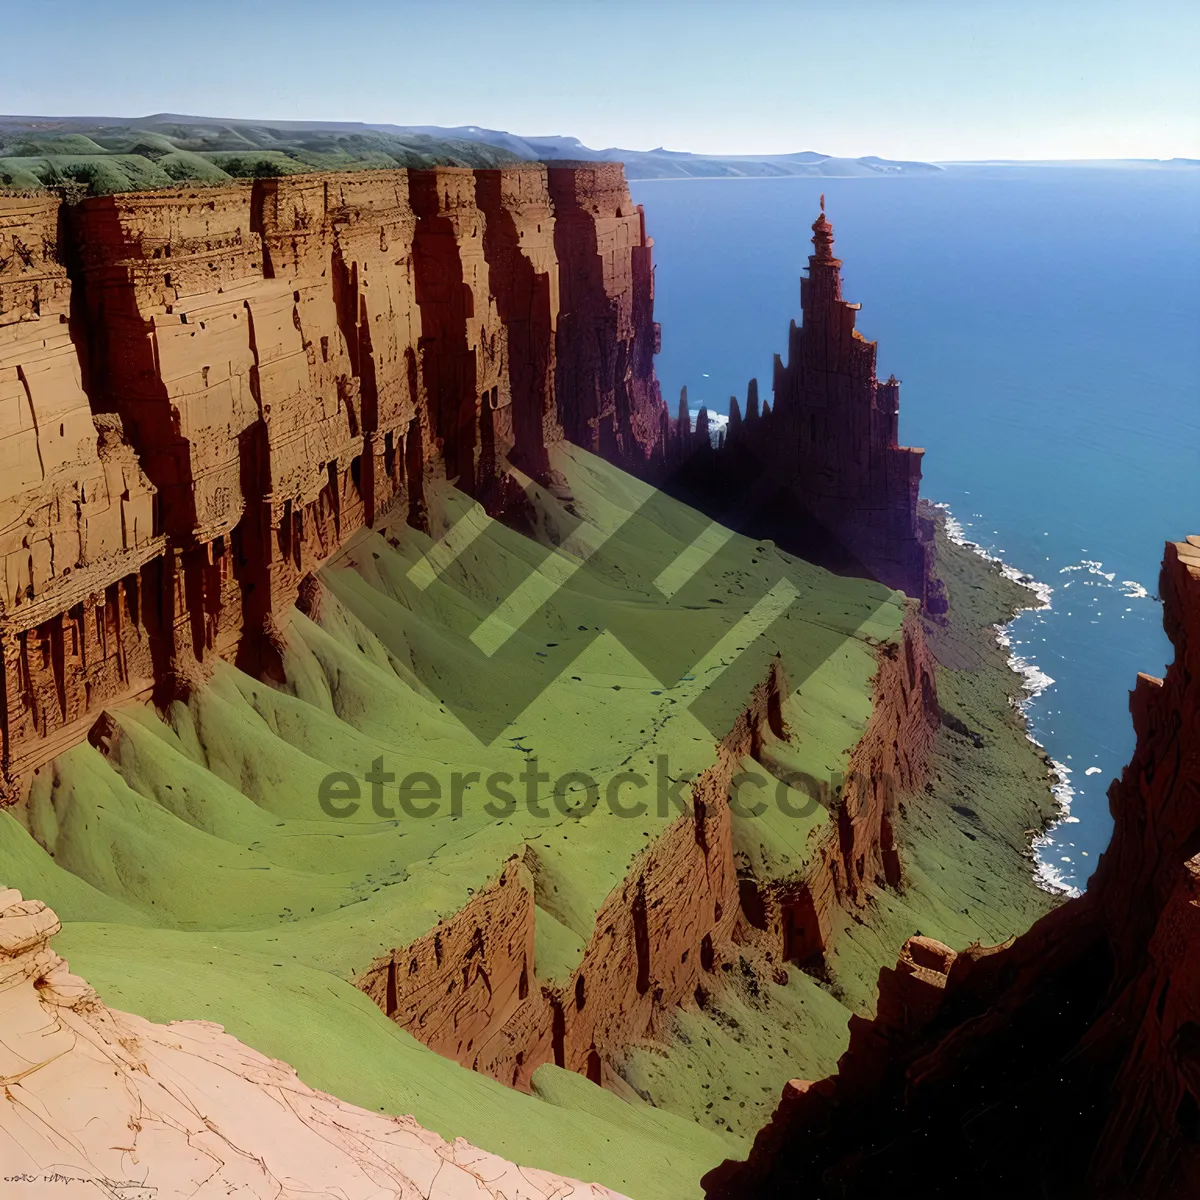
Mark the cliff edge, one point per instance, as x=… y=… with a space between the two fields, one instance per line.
x=1064 y=1061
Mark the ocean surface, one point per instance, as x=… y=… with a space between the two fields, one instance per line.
x=1045 y=325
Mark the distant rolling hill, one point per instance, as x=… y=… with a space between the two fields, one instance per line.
x=115 y=154
x=671 y=164
x=105 y=155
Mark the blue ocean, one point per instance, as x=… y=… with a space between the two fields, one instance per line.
x=1045 y=325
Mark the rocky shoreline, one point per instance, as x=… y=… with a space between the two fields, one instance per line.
x=1060 y=1061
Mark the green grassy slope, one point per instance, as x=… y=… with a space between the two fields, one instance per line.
x=198 y=876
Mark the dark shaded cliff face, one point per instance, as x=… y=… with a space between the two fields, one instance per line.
x=820 y=468
x=1063 y=1064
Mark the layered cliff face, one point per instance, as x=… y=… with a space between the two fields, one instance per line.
x=522 y=419
x=257 y=372
x=1063 y=1062
x=608 y=397
x=77 y=520
x=185 y=1106
x=822 y=470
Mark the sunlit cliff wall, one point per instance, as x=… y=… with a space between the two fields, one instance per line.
x=77 y=522
x=205 y=391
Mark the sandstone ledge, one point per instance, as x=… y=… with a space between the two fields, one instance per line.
x=133 y=1109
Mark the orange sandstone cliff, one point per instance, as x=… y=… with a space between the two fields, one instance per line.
x=79 y=536
x=205 y=391
x=1066 y=1063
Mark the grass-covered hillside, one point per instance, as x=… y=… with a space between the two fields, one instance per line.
x=198 y=876
x=104 y=158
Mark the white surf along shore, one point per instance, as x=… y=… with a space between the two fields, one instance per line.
x=1034 y=681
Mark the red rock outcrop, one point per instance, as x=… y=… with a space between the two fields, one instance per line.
x=285 y=361
x=523 y=269
x=1065 y=1063
x=822 y=471
x=469 y=989
x=608 y=397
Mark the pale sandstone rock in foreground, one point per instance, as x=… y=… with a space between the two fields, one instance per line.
x=141 y=1111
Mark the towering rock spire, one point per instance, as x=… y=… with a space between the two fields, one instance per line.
x=842 y=425
x=823 y=287
x=827 y=448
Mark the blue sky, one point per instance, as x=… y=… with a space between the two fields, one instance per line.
x=932 y=79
